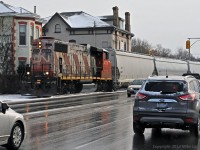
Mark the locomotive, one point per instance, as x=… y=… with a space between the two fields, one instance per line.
x=59 y=67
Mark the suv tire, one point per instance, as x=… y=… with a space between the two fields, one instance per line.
x=195 y=129
x=138 y=128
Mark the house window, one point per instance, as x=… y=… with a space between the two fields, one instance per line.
x=32 y=34
x=124 y=46
x=22 y=34
x=72 y=41
x=57 y=28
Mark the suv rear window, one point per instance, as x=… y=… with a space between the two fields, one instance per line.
x=165 y=86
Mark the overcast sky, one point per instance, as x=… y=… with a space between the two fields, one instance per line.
x=165 y=22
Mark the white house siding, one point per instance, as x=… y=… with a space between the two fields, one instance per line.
x=121 y=39
x=24 y=51
x=64 y=35
x=93 y=39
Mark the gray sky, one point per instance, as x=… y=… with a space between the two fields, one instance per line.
x=165 y=22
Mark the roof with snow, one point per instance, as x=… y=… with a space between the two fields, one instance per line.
x=8 y=10
x=80 y=20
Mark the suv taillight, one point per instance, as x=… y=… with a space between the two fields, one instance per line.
x=188 y=97
x=140 y=96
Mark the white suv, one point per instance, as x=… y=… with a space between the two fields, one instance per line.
x=12 y=127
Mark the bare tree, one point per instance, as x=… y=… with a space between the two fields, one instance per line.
x=163 y=52
x=140 y=46
x=7 y=73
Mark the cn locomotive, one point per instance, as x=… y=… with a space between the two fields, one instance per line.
x=59 y=67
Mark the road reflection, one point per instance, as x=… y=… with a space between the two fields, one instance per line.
x=80 y=129
x=167 y=139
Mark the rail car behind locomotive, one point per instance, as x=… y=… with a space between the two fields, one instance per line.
x=129 y=66
x=62 y=67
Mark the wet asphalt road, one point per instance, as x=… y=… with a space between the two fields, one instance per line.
x=103 y=126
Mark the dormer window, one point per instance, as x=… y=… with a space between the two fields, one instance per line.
x=57 y=28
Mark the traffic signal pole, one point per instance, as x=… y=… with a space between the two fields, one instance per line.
x=188 y=45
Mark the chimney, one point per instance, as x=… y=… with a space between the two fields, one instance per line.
x=35 y=9
x=115 y=16
x=127 y=22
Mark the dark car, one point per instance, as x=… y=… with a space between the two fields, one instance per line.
x=167 y=102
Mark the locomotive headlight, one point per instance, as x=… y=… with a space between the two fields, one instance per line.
x=28 y=73
x=47 y=73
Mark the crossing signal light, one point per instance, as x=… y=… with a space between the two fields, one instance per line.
x=188 y=44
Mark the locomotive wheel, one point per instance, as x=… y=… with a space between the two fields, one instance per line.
x=99 y=87
x=78 y=87
x=72 y=88
x=105 y=87
x=65 y=88
x=110 y=86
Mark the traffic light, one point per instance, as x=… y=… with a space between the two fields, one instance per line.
x=188 y=44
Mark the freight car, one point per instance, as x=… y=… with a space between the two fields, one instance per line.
x=59 y=67
x=129 y=66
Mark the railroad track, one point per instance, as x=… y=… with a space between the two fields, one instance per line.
x=28 y=106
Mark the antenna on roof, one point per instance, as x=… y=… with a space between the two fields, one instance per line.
x=166 y=74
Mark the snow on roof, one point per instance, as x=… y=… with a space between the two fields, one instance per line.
x=82 y=20
x=5 y=8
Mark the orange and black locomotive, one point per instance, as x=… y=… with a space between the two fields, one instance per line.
x=59 y=67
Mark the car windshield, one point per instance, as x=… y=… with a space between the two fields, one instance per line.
x=137 y=82
x=164 y=86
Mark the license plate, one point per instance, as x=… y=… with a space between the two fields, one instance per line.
x=161 y=105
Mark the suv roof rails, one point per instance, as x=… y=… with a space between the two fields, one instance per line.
x=189 y=76
x=195 y=75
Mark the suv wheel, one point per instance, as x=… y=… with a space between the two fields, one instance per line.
x=138 y=128
x=195 y=129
